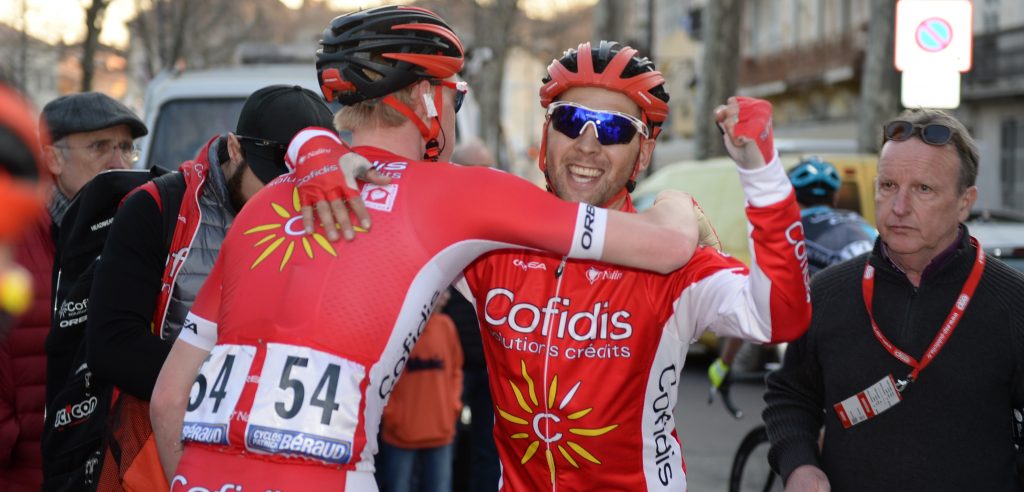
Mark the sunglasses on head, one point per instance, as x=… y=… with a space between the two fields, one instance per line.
x=612 y=127
x=460 y=88
x=933 y=134
x=262 y=142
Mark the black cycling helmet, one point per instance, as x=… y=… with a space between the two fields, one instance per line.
x=813 y=177
x=372 y=53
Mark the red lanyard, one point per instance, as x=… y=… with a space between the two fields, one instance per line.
x=952 y=320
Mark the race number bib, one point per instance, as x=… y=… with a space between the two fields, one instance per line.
x=306 y=405
x=215 y=394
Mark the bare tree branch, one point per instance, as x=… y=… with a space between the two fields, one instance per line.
x=719 y=73
x=93 y=24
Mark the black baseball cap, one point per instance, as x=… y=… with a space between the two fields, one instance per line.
x=270 y=118
x=87 y=112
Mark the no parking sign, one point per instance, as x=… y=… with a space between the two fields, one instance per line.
x=934 y=33
x=934 y=40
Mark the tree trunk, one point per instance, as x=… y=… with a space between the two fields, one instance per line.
x=880 y=84
x=22 y=81
x=718 y=79
x=93 y=25
x=492 y=29
x=609 y=23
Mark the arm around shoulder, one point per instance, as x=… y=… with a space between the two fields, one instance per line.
x=662 y=238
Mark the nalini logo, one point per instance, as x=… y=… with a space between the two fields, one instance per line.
x=380 y=197
x=289 y=230
x=593 y=275
x=554 y=426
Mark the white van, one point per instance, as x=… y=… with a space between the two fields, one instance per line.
x=184 y=110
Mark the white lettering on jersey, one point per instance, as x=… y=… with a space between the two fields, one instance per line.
x=76 y=413
x=596 y=323
x=588 y=238
x=392 y=170
x=529 y=265
x=387 y=384
x=593 y=275
x=800 y=252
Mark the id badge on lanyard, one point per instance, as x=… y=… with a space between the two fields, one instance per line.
x=888 y=391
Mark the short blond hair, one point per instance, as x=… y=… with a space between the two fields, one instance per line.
x=373 y=113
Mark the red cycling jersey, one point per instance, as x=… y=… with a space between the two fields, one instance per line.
x=307 y=337
x=584 y=357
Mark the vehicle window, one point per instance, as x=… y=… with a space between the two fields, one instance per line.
x=185 y=125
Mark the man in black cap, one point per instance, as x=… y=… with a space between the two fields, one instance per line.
x=161 y=247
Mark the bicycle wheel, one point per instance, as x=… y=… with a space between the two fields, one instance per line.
x=750 y=471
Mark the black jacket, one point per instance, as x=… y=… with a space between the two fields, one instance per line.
x=952 y=431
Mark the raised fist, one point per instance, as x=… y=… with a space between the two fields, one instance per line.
x=746 y=125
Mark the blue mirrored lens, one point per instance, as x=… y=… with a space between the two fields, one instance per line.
x=611 y=128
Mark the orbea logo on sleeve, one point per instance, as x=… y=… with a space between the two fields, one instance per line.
x=380 y=197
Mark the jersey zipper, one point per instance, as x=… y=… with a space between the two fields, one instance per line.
x=547 y=358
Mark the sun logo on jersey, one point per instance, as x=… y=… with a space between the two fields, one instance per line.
x=291 y=231
x=545 y=424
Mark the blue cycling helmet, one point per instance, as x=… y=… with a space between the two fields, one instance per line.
x=815 y=177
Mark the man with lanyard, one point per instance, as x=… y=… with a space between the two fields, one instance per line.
x=915 y=354
x=584 y=357
x=304 y=340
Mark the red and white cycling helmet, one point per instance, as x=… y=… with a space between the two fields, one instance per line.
x=614 y=67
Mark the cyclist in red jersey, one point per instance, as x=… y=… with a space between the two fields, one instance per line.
x=295 y=359
x=584 y=357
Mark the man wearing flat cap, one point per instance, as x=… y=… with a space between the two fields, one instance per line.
x=89 y=133
x=162 y=245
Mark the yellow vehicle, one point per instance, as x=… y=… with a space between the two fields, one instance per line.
x=714 y=184
x=716 y=187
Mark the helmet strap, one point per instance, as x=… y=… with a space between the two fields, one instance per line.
x=432 y=150
x=542 y=155
x=631 y=183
